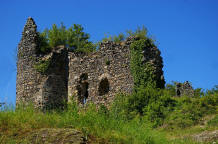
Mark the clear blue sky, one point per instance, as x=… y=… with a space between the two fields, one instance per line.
x=186 y=30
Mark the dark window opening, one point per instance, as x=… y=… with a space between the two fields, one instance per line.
x=83 y=77
x=103 y=87
x=178 y=92
x=82 y=88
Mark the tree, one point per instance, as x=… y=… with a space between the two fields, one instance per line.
x=73 y=38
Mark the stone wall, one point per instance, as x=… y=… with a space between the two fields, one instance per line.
x=184 y=89
x=27 y=77
x=44 y=90
x=97 y=77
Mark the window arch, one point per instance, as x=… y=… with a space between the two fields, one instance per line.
x=104 y=87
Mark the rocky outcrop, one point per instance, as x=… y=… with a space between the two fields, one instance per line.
x=56 y=136
x=207 y=136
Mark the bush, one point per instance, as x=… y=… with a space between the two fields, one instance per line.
x=153 y=104
x=73 y=38
x=189 y=111
x=140 y=32
x=213 y=122
x=121 y=37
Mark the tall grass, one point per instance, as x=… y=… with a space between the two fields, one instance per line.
x=127 y=121
x=92 y=122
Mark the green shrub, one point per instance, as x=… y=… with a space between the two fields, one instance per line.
x=73 y=38
x=140 y=32
x=119 y=107
x=209 y=100
x=121 y=37
x=43 y=43
x=213 y=122
x=107 y=62
x=153 y=104
x=171 y=88
x=189 y=111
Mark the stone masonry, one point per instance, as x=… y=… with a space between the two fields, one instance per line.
x=95 y=77
x=43 y=90
x=184 y=89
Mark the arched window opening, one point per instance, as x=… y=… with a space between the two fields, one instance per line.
x=103 y=87
x=82 y=88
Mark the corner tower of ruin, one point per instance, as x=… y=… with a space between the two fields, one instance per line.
x=47 y=89
x=26 y=75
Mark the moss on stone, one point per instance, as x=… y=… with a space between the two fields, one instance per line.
x=42 y=66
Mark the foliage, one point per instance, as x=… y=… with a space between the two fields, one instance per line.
x=107 y=62
x=189 y=111
x=43 y=43
x=213 y=122
x=151 y=103
x=214 y=90
x=143 y=73
x=129 y=120
x=42 y=66
x=139 y=32
x=16 y=125
x=78 y=40
x=159 y=107
x=121 y=37
x=171 y=88
x=73 y=38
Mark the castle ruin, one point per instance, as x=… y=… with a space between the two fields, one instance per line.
x=94 y=77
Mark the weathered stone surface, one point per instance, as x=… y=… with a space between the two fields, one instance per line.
x=94 y=77
x=184 y=89
x=56 y=136
x=44 y=90
x=207 y=136
x=107 y=73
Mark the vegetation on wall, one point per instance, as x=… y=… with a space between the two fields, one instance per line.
x=74 y=38
x=140 y=32
x=116 y=38
x=143 y=73
x=42 y=66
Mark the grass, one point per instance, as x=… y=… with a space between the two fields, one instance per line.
x=188 y=116
x=99 y=127
x=14 y=125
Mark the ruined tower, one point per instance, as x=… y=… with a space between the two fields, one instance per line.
x=47 y=89
x=26 y=75
x=95 y=77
